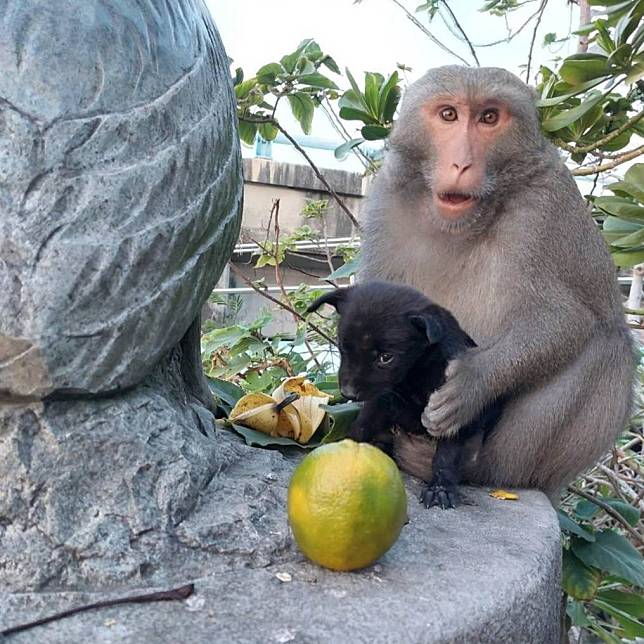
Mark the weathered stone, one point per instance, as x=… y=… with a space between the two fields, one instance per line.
x=485 y=572
x=119 y=187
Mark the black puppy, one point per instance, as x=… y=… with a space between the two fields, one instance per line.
x=394 y=347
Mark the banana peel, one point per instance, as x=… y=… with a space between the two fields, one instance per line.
x=297 y=420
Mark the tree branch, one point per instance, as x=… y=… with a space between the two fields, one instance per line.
x=542 y=8
x=584 y=19
x=602 y=167
x=428 y=33
x=458 y=26
x=283 y=305
x=603 y=141
x=610 y=511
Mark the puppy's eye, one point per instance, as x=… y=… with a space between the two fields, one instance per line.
x=448 y=114
x=385 y=358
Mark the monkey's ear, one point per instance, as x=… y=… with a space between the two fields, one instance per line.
x=430 y=325
x=334 y=298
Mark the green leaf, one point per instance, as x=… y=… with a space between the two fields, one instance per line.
x=375 y=132
x=567 y=524
x=627 y=242
x=567 y=117
x=621 y=56
x=290 y=60
x=352 y=114
x=569 y=93
x=247 y=132
x=317 y=80
x=632 y=628
x=579 y=580
x=620 y=207
x=580 y=68
x=612 y=553
x=630 y=603
x=259 y=439
x=302 y=107
x=267 y=131
x=227 y=393
x=627 y=259
x=577 y=613
x=330 y=64
x=346 y=270
x=635 y=73
x=357 y=93
x=614 y=228
x=342 y=151
x=341 y=417
x=268 y=73
x=225 y=337
x=630 y=513
x=585 y=510
x=388 y=99
x=243 y=89
x=635 y=177
x=372 y=85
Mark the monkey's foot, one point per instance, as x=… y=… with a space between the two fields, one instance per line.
x=437 y=494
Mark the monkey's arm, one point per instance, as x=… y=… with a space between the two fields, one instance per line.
x=532 y=346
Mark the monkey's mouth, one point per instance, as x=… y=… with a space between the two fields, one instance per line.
x=454 y=203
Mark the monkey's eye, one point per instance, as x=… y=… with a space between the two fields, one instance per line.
x=490 y=117
x=385 y=358
x=448 y=114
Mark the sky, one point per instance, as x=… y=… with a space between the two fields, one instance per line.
x=375 y=35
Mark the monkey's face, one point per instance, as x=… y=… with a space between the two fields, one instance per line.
x=462 y=134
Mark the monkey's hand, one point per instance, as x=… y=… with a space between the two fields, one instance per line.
x=458 y=401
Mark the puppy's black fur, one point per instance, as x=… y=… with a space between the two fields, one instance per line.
x=394 y=346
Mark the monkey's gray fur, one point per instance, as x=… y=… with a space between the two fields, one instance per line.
x=528 y=277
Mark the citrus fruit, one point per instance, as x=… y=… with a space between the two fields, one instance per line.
x=346 y=505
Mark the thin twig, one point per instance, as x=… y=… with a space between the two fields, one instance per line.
x=278 y=273
x=609 y=510
x=622 y=158
x=458 y=26
x=183 y=592
x=285 y=306
x=542 y=8
x=428 y=33
x=603 y=141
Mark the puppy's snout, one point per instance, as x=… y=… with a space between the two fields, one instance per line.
x=349 y=391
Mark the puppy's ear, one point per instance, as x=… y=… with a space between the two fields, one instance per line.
x=430 y=325
x=335 y=298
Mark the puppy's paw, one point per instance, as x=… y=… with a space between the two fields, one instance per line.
x=440 y=495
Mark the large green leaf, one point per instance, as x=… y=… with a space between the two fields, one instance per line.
x=627 y=242
x=357 y=93
x=302 y=107
x=569 y=92
x=567 y=117
x=579 y=580
x=259 y=439
x=317 y=80
x=388 y=99
x=620 y=207
x=353 y=114
x=227 y=393
x=290 y=60
x=225 y=337
x=375 y=132
x=632 y=628
x=577 y=613
x=635 y=176
x=627 y=259
x=346 y=270
x=627 y=602
x=615 y=228
x=373 y=82
x=341 y=417
x=580 y=68
x=567 y=524
x=342 y=151
x=247 y=132
x=612 y=553
x=268 y=73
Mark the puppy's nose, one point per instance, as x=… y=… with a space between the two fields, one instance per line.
x=348 y=391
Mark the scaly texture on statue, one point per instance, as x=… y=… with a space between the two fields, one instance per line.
x=119 y=188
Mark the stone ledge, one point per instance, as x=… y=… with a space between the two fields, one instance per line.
x=485 y=572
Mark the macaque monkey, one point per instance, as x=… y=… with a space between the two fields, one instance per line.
x=477 y=210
